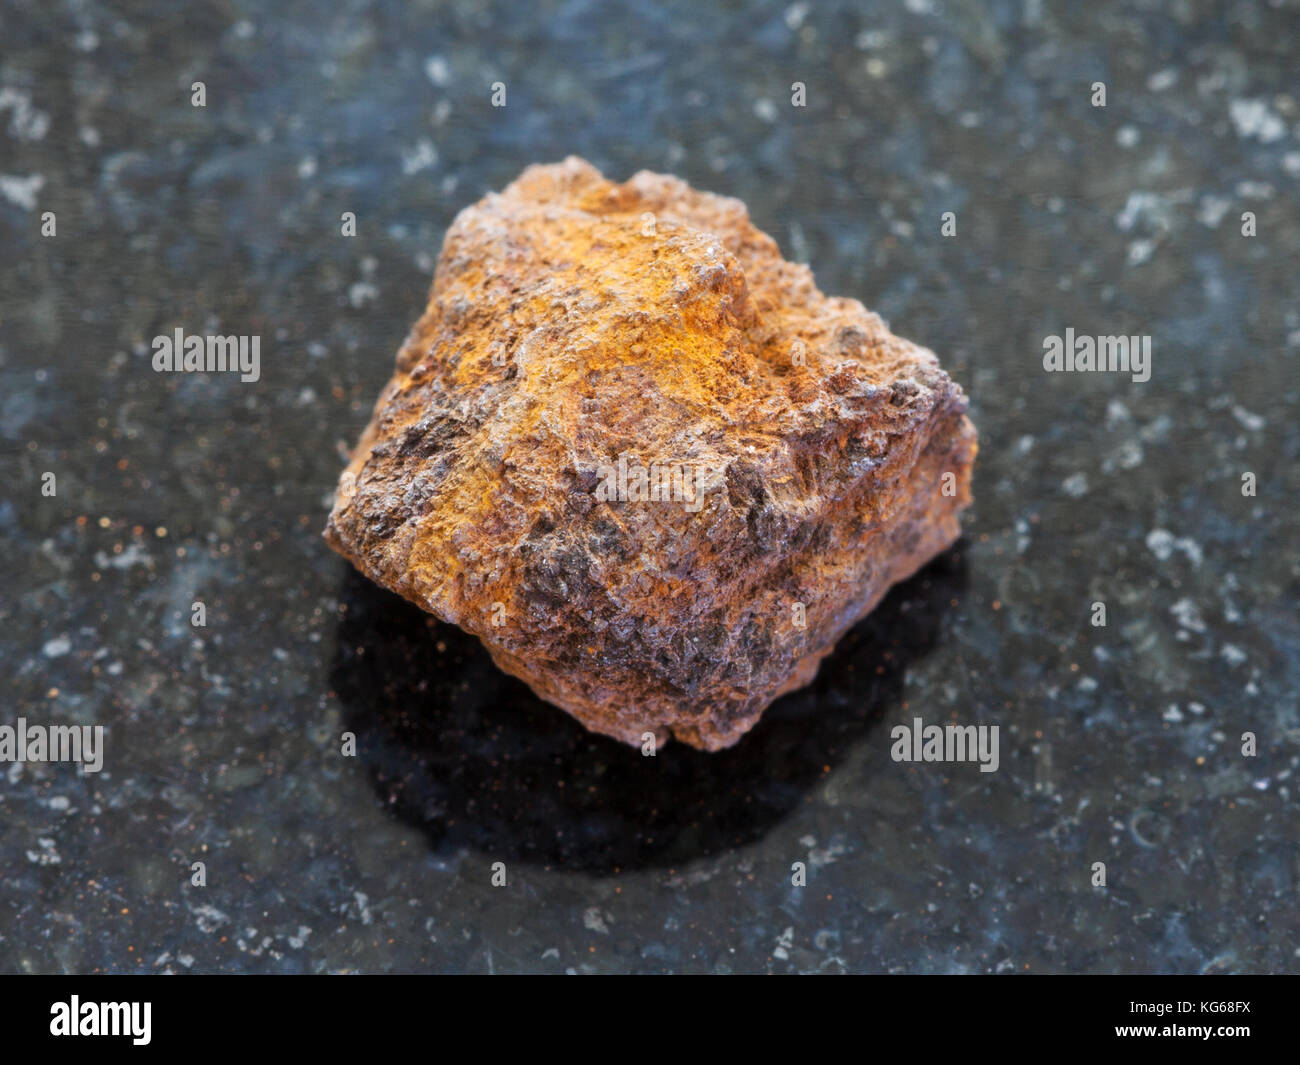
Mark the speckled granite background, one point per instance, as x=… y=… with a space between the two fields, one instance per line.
x=1119 y=744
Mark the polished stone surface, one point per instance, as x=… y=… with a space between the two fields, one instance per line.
x=1119 y=744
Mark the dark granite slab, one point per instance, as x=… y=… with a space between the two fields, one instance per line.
x=1119 y=744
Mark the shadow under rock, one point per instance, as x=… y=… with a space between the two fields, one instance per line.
x=473 y=758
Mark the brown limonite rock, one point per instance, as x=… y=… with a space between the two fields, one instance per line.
x=645 y=460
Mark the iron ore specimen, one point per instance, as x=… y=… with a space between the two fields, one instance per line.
x=645 y=460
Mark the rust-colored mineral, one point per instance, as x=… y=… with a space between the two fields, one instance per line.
x=644 y=459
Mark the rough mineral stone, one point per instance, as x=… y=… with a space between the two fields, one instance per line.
x=645 y=460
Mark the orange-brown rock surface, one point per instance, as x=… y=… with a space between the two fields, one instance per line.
x=644 y=459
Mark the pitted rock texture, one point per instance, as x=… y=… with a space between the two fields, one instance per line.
x=644 y=459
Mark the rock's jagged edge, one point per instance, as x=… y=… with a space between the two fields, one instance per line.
x=573 y=320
